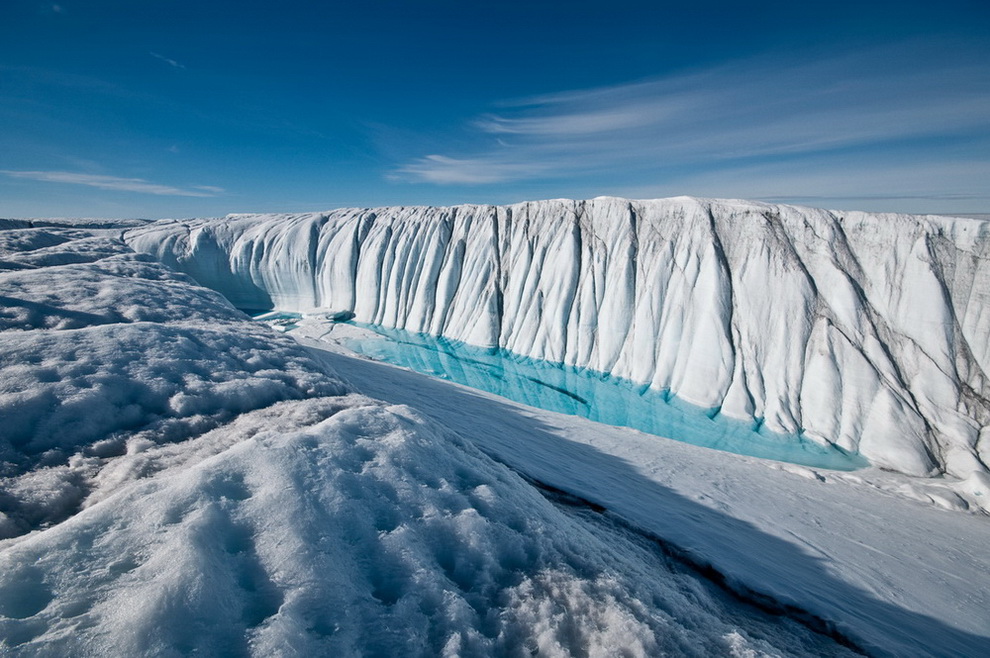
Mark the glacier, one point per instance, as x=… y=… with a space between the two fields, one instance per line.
x=175 y=478
x=866 y=331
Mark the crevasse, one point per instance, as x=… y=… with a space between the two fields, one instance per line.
x=869 y=331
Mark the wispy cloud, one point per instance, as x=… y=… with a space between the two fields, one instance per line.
x=726 y=116
x=473 y=171
x=138 y=185
x=171 y=62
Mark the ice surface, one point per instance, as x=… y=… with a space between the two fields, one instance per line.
x=593 y=395
x=178 y=479
x=869 y=331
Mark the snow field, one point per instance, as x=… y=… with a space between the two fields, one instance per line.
x=212 y=487
x=872 y=552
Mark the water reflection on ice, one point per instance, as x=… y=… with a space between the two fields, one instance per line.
x=594 y=395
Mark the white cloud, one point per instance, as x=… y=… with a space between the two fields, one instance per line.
x=114 y=183
x=170 y=62
x=441 y=169
x=728 y=116
x=213 y=191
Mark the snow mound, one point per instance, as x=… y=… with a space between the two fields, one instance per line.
x=100 y=348
x=368 y=532
x=869 y=331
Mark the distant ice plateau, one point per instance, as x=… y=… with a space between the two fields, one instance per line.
x=868 y=331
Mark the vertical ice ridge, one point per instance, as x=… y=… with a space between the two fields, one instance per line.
x=871 y=331
x=499 y=295
x=728 y=293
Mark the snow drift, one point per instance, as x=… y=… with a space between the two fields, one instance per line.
x=865 y=330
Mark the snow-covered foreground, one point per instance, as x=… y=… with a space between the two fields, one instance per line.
x=347 y=527
x=179 y=479
x=105 y=352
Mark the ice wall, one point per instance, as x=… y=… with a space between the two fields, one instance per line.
x=865 y=330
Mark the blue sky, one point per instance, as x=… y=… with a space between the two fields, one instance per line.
x=170 y=108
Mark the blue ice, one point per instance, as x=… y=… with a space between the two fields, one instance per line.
x=594 y=395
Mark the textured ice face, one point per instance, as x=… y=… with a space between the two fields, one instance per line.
x=867 y=331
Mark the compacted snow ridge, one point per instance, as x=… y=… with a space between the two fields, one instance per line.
x=105 y=352
x=868 y=331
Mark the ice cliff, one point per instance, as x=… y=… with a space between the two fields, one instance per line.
x=869 y=331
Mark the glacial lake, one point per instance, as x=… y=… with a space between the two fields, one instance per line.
x=593 y=395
